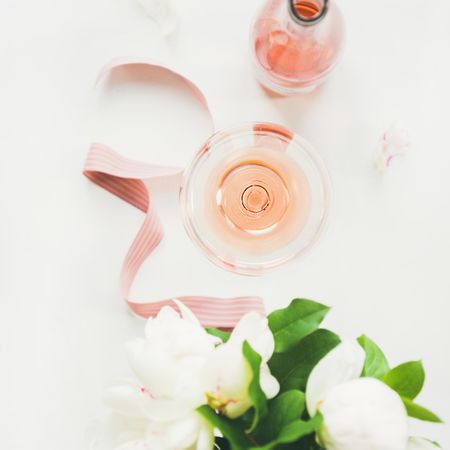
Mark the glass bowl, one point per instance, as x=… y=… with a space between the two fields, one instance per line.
x=255 y=197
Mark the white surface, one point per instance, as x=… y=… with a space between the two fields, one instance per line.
x=383 y=264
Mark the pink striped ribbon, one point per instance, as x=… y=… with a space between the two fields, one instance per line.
x=125 y=179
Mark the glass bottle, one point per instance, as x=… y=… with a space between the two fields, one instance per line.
x=295 y=44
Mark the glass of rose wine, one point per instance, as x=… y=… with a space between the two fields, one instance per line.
x=255 y=197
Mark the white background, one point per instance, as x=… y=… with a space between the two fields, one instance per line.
x=383 y=264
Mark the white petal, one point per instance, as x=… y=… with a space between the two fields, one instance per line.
x=155 y=368
x=269 y=384
x=166 y=319
x=184 y=434
x=237 y=408
x=177 y=335
x=135 y=402
x=227 y=377
x=125 y=399
x=167 y=313
x=343 y=363
x=134 y=445
x=415 y=443
x=186 y=313
x=394 y=142
x=250 y=324
x=254 y=328
x=205 y=439
x=228 y=371
x=363 y=414
x=115 y=431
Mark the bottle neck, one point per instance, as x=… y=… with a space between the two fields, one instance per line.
x=307 y=12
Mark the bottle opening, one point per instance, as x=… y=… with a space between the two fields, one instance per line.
x=308 y=10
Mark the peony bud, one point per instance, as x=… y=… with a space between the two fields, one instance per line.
x=228 y=375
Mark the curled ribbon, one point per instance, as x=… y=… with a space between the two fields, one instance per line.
x=125 y=179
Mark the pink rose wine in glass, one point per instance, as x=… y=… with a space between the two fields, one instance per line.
x=295 y=44
x=254 y=197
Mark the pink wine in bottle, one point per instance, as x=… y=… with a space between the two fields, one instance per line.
x=295 y=44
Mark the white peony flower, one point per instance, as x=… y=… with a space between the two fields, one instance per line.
x=228 y=375
x=344 y=363
x=158 y=411
x=415 y=443
x=170 y=361
x=358 y=413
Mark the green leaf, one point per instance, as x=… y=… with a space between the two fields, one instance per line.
x=406 y=379
x=256 y=394
x=222 y=335
x=294 y=431
x=231 y=429
x=290 y=325
x=376 y=365
x=284 y=409
x=247 y=418
x=292 y=368
x=419 y=412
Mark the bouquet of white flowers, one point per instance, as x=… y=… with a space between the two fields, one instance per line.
x=272 y=383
